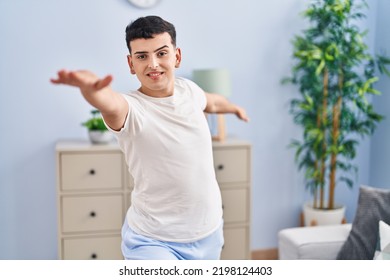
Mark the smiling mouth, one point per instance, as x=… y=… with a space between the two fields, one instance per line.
x=155 y=75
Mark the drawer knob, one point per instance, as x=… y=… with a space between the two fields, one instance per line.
x=94 y=256
x=92 y=172
x=220 y=167
x=92 y=214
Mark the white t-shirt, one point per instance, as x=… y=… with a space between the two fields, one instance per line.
x=167 y=146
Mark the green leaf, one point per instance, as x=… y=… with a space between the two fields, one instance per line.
x=96 y=122
x=348 y=181
x=320 y=67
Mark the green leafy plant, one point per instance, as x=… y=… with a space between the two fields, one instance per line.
x=335 y=74
x=95 y=123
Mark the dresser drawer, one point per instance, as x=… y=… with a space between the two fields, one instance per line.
x=87 y=171
x=231 y=165
x=99 y=248
x=92 y=213
x=235 y=205
x=236 y=244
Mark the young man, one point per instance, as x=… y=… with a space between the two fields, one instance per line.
x=176 y=210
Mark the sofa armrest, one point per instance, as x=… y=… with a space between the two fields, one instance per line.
x=316 y=242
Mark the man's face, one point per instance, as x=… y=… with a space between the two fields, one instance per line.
x=154 y=61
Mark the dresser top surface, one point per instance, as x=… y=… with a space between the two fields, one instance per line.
x=83 y=144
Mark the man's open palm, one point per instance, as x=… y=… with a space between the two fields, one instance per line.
x=87 y=81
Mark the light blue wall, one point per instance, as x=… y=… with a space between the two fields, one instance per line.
x=380 y=145
x=249 y=37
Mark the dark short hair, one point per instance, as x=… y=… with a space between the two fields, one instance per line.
x=147 y=27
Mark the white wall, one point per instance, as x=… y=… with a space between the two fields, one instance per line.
x=249 y=37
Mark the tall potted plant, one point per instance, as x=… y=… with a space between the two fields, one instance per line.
x=335 y=74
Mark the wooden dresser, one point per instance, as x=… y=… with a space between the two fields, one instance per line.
x=93 y=195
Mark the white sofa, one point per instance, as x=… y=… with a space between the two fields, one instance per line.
x=312 y=243
x=356 y=241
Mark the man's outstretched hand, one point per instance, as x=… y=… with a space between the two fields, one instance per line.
x=97 y=92
x=87 y=81
x=241 y=114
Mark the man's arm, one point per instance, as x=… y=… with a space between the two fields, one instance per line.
x=219 y=104
x=98 y=93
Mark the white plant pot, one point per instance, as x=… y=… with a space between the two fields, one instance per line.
x=313 y=216
x=100 y=137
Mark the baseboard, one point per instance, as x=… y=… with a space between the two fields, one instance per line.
x=265 y=254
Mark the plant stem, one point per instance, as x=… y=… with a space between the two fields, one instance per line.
x=324 y=115
x=335 y=137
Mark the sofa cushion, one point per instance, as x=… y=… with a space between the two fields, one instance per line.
x=373 y=206
x=384 y=242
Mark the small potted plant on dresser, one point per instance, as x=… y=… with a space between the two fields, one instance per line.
x=97 y=130
x=335 y=74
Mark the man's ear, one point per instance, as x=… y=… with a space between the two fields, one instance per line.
x=178 y=57
x=130 y=62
